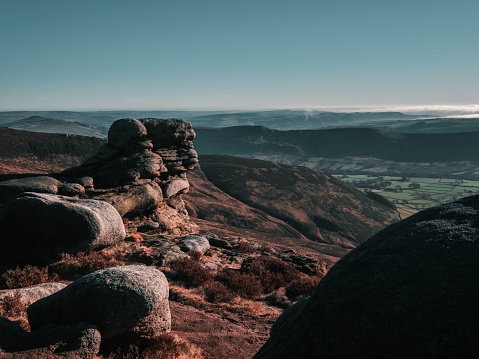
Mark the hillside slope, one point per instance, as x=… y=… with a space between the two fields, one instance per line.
x=25 y=151
x=320 y=207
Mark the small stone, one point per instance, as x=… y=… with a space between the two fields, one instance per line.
x=135 y=238
x=194 y=243
x=149 y=226
x=71 y=189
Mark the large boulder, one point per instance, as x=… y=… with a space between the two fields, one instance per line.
x=56 y=224
x=77 y=340
x=125 y=132
x=411 y=291
x=168 y=132
x=41 y=184
x=129 y=301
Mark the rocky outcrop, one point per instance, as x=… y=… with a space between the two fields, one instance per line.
x=78 y=340
x=141 y=149
x=54 y=224
x=411 y=291
x=123 y=302
x=142 y=170
x=139 y=173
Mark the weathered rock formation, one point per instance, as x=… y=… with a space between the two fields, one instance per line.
x=123 y=302
x=139 y=173
x=411 y=291
x=142 y=170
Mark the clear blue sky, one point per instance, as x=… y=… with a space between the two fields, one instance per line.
x=232 y=54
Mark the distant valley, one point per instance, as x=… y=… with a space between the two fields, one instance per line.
x=98 y=122
x=341 y=143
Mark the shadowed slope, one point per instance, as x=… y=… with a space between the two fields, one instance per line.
x=314 y=203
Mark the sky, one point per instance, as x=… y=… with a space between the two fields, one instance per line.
x=231 y=54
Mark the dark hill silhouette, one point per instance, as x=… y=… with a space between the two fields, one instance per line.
x=337 y=143
x=411 y=291
x=298 y=119
x=52 y=125
x=32 y=149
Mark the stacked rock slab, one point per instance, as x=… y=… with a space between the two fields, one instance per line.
x=142 y=170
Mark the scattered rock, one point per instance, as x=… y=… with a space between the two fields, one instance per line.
x=40 y=184
x=225 y=243
x=408 y=292
x=71 y=189
x=86 y=182
x=148 y=226
x=128 y=301
x=76 y=340
x=175 y=186
x=33 y=293
x=134 y=237
x=194 y=243
x=58 y=224
x=167 y=257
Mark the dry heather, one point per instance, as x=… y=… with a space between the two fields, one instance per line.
x=190 y=272
x=301 y=287
x=25 y=277
x=168 y=346
x=72 y=266
x=258 y=276
x=13 y=308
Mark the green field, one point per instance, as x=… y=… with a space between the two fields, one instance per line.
x=431 y=191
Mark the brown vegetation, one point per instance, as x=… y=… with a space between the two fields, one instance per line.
x=189 y=271
x=244 y=284
x=167 y=346
x=300 y=287
x=272 y=272
x=216 y=292
x=72 y=266
x=26 y=276
x=13 y=306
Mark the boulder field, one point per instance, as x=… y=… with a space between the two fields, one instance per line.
x=139 y=172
